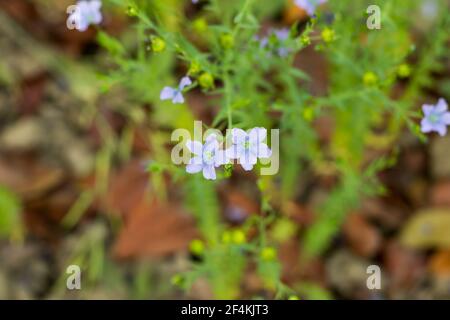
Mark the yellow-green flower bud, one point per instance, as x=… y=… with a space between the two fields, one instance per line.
x=328 y=35
x=132 y=11
x=370 y=78
x=177 y=280
x=293 y=297
x=200 y=25
x=404 y=71
x=308 y=114
x=158 y=44
x=238 y=236
x=206 y=80
x=194 y=68
x=226 y=41
x=268 y=254
x=197 y=247
x=305 y=40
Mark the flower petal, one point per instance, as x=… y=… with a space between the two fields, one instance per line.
x=238 y=135
x=246 y=165
x=441 y=105
x=426 y=126
x=441 y=129
x=211 y=144
x=96 y=5
x=281 y=34
x=220 y=158
x=195 y=165
x=195 y=147
x=185 y=81
x=193 y=168
x=263 y=151
x=209 y=172
x=248 y=157
x=167 y=93
x=446 y=118
x=427 y=109
x=232 y=152
x=96 y=17
x=178 y=97
x=257 y=135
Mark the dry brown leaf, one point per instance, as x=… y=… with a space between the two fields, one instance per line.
x=28 y=177
x=363 y=238
x=439 y=263
x=127 y=188
x=404 y=266
x=154 y=229
x=440 y=194
x=428 y=228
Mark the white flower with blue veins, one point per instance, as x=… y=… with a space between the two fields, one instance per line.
x=309 y=5
x=206 y=158
x=84 y=14
x=175 y=94
x=248 y=147
x=436 y=118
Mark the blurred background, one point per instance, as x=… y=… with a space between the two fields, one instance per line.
x=67 y=198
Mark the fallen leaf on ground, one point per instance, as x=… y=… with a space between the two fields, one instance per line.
x=363 y=238
x=154 y=229
x=428 y=228
x=440 y=194
x=439 y=264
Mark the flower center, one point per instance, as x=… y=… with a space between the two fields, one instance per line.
x=247 y=143
x=433 y=118
x=208 y=156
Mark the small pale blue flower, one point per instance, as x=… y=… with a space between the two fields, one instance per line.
x=248 y=147
x=279 y=47
x=206 y=158
x=85 y=14
x=436 y=118
x=175 y=94
x=309 y=5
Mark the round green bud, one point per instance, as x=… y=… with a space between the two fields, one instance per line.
x=177 y=280
x=226 y=41
x=194 y=68
x=268 y=254
x=200 y=25
x=197 y=247
x=305 y=40
x=132 y=11
x=370 y=78
x=158 y=44
x=404 y=71
x=238 y=236
x=206 y=80
x=293 y=297
x=308 y=114
x=328 y=35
